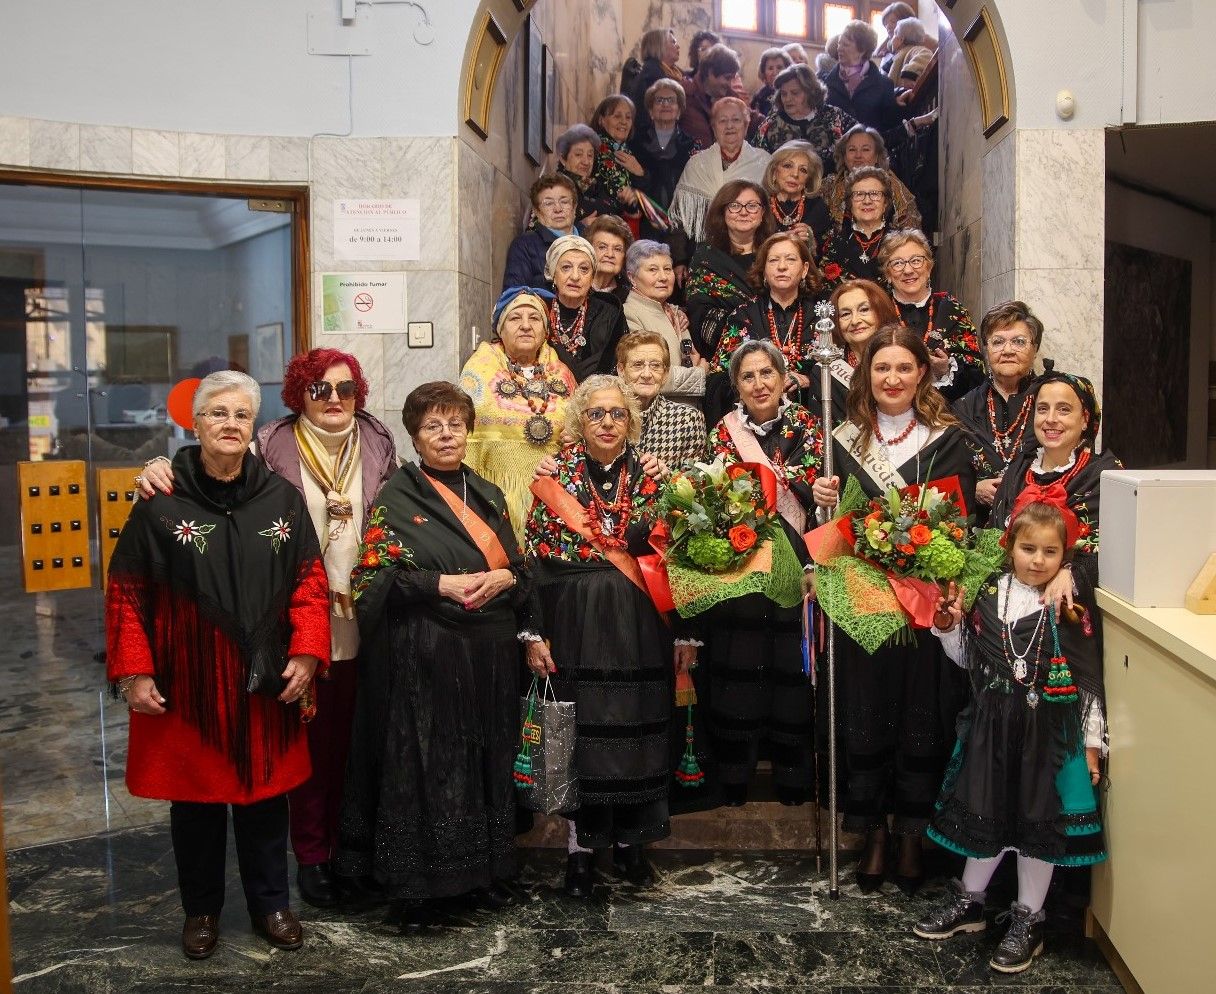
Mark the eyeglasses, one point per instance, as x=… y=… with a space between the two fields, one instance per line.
x=915 y=262
x=453 y=427
x=640 y=365
x=1019 y=343
x=597 y=414
x=321 y=390
x=550 y=203
x=864 y=195
x=734 y=207
x=221 y=415
x=665 y=101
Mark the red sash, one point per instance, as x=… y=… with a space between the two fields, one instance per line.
x=482 y=534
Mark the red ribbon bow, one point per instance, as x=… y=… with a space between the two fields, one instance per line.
x=1053 y=494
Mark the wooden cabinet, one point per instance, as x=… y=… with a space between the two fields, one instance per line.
x=1154 y=897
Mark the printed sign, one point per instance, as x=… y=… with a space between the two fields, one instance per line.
x=378 y=229
x=362 y=302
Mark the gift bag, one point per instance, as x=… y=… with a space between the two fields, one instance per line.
x=544 y=766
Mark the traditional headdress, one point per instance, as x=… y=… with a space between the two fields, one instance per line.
x=521 y=296
x=1053 y=494
x=568 y=243
x=1085 y=392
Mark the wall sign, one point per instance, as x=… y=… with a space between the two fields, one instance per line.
x=378 y=229
x=362 y=302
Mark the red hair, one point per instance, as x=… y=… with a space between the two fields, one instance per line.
x=309 y=367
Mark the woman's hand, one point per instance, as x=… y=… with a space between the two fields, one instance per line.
x=546 y=467
x=679 y=321
x=630 y=162
x=298 y=673
x=628 y=196
x=1093 y=761
x=484 y=587
x=142 y=696
x=797 y=381
x=949 y=611
x=539 y=661
x=1058 y=592
x=802 y=231
x=985 y=490
x=157 y=475
x=826 y=492
x=654 y=467
x=681 y=275
x=686 y=658
x=939 y=363
x=455 y=586
x=808 y=584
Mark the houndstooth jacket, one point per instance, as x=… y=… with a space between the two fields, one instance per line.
x=674 y=432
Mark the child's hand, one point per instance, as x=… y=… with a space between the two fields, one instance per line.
x=1058 y=592
x=949 y=609
x=1092 y=761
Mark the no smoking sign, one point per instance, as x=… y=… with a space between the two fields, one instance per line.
x=363 y=302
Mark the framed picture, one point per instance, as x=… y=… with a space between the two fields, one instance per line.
x=266 y=357
x=483 y=74
x=534 y=96
x=550 y=71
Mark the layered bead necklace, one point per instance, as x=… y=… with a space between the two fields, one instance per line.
x=791 y=347
x=571 y=339
x=538 y=392
x=1008 y=442
x=865 y=244
x=784 y=219
x=609 y=520
x=888 y=443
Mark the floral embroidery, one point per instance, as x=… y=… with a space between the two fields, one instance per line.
x=380 y=548
x=800 y=457
x=278 y=532
x=187 y=531
x=418 y=519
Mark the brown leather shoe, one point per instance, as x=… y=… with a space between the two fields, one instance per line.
x=200 y=935
x=280 y=928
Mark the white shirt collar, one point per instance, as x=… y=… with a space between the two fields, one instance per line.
x=761 y=429
x=1037 y=465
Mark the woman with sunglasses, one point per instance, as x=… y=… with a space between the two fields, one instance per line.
x=338 y=456
x=601 y=639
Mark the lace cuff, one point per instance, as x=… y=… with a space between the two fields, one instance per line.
x=527 y=635
x=697 y=642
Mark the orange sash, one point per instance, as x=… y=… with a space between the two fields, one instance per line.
x=566 y=506
x=482 y=534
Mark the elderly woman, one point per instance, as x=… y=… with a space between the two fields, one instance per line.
x=860 y=308
x=863 y=146
x=608 y=648
x=616 y=167
x=997 y=412
x=554 y=202
x=610 y=237
x=442 y=594
x=899 y=703
x=576 y=150
x=800 y=112
x=757 y=691
x=850 y=252
x=737 y=222
x=910 y=52
x=729 y=158
x=647 y=309
x=772 y=61
x=787 y=288
x=700 y=45
x=792 y=181
x=338 y=456
x=857 y=86
x=584 y=324
x=663 y=149
x=672 y=432
x=659 y=51
x=891 y=15
x=217 y=617
x=1066 y=421
x=519 y=389
x=906 y=261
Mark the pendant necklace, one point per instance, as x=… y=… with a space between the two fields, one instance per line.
x=571 y=339
x=791 y=348
x=538 y=392
x=888 y=443
x=868 y=243
x=1007 y=442
x=1017 y=660
x=610 y=520
x=790 y=219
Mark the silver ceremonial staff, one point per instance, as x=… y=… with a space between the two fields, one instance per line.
x=825 y=353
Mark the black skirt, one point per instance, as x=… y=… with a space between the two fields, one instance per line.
x=1011 y=784
x=613 y=654
x=429 y=803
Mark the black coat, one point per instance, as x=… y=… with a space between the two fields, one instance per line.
x=603 y=328
x=652 y=70
x=872 y=103
x=526 y=257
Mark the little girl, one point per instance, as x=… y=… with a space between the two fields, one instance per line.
x=1025 y=768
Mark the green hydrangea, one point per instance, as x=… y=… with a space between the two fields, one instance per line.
x=709 y=552
x=942 y=558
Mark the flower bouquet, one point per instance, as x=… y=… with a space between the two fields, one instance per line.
x=881 y=560
x=720 y=537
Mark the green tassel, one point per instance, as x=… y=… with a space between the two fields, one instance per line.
x=529 y=734
x=523 y=768
x=689 y=772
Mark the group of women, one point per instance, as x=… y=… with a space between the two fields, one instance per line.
x=253 y=584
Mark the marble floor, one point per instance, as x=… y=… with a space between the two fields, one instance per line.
x=101 y=915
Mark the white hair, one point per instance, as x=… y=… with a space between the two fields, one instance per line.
x=222 y=381
x=910 y=31
x=640 y=251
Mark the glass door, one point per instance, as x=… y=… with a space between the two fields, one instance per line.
x=109 y=297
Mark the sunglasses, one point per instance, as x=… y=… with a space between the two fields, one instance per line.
x=321 y=390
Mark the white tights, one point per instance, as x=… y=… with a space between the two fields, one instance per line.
x=572 y=845
x=1034 y=877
